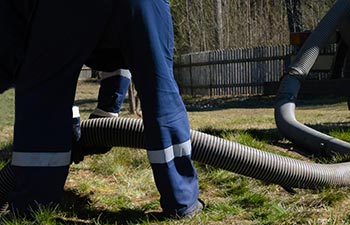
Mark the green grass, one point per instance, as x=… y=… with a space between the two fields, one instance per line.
x=118 y=188
x=7 y=108
x=6 y=125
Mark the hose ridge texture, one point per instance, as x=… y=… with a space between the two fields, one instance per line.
x=286 y=122
x=224 y=154
x=7 y=178
x=319 y=38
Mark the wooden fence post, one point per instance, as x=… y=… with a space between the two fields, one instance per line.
x=134 y=101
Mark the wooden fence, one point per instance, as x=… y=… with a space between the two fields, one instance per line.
x=235 y=71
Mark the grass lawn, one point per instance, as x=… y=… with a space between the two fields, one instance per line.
x=118 y=188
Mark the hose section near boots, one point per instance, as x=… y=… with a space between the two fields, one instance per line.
x=109 y=132
x=8 y=182
x=224 y=154
x=210 y=150
x=296 y=132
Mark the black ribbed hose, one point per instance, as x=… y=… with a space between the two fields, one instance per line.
x=286 y=122
x=320 y=37
x=7 y=184
x=224 y=154
x=210 y=150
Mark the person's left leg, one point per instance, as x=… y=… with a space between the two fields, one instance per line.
x=63 y=34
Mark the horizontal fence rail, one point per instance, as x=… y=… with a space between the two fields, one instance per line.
x=236 y=71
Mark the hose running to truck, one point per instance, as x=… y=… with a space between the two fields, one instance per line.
x=286 y=122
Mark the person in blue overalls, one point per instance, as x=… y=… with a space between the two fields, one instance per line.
x=57 y=46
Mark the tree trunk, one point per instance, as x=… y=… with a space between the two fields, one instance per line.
x=189 y=27
x=219 y=34
x=294 y=16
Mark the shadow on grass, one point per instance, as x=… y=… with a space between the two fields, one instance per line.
x=274 y=137
x=80 y=102
x=211 y=104
x=328 y=127
x=91 y=81
x=265 y=135
x=5 y=152
x=253 y=102
x=80 y=206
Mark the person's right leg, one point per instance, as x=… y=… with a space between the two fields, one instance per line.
x=63 y=34
x=113 y=88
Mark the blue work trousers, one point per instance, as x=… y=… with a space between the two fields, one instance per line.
x=63 y=34
x=57 y=44
x=112 y=93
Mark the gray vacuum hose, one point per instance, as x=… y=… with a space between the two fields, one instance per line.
x=320 y=37
x=298 y=133
x=224 y=154
x=210 y=150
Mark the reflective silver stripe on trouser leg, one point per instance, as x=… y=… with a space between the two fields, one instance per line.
x=41 y=159
x=168 y=154
x=120 y=72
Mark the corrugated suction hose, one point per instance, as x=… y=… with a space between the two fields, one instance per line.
x=320 y=37
x=7 y=184
x=286 y=122
x=224 y=154
x=210 y=150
